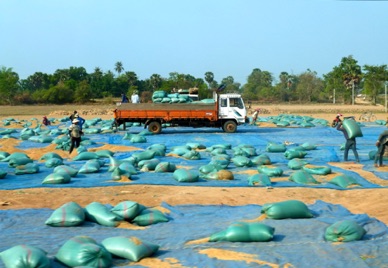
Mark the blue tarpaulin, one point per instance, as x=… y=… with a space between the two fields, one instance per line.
x=328 y=141
x=296 y=243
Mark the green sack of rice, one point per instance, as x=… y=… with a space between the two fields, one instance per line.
x=3 y=173
x=166 y=100
x=69 y=214
x=53 y=162
x=85 y=156
x=352 y=128
x=344 y=181
x=291 y=154
x=3 y=155
x=29 y=168
x=262 y=159
x=225 y=157
x=296 y=163
x=159 y=94
x=91 y=130
x=298 y=148
x=21 y=256
x=33 y=138
x=50 y=155
x=90 y=167
x=308 y=146
x=165 y=167
x=99 y=213
x=270 y=171
x=149 y=164
x=291 y=209
x=104 y=153
x=250 y=150
x=302 y=177
x=145 y=132
x=157 y=146
x=244 y=151
x=276 y=148
x=45 y=139
x=206 y=169
x=149 y=217
x=220 y=161
x=184 y=175
x=245 y=232
x=25 y=137
x=118 y=174
x=307 y=124
x=180 y=150
x=127 y=167
x=241 y=161
x=192 y=155
x=57 y=178
x=113 y=163
x=14 y=155
x=344 y=231
x=138 y=139
x=218 y=151
x=131 y=248
x=14 y=162
x=259 y=180
x=144 y=155
x=239 y=152
x=317 y=170
x=83 y=251
x=283 y=123
x=195 y=146
x=127 y=210
x=158 y=151
x=372 y=155
x=225 y=146
x=67 y=170
x=7 y=131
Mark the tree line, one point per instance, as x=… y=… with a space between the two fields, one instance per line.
x=76 y=85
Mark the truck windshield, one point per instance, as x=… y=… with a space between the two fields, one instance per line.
x=236 y=102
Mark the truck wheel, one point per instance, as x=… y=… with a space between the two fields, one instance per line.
x=229 y=126
x=155 y=127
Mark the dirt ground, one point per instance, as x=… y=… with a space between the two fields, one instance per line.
x=370 y=201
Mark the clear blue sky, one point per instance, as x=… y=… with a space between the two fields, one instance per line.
x=226 y=37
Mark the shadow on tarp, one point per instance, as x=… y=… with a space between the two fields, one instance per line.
x=297 y=242
x=327 y=139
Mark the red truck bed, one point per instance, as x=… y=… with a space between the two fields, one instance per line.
x=166 y=111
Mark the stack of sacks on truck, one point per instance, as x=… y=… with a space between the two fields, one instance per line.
x=162 y=96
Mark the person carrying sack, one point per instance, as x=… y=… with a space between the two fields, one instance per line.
x=75 y=135
x=382 y=141
x=350 y=143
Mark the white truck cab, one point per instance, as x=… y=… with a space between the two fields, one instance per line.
x=231 y=106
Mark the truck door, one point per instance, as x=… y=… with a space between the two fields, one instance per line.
x=223 y=107
x=237 y=109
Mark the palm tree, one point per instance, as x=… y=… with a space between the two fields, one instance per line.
x=351 y=74
x=119 y=67
x=209 y=78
